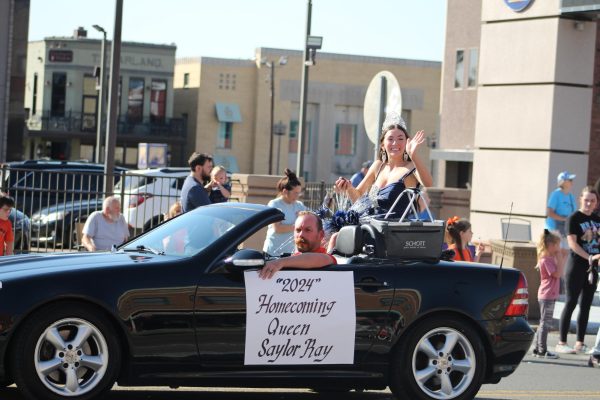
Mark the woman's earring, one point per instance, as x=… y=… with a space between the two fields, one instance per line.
x=405 y=157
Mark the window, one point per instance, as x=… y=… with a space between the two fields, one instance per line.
x=158 y=100
x=293 y=143
x=459 y=71
x=186 y=79
x=458 y=174
x=59 y=92
x=89 y=104
x=345 y=139
x=473 y=61
x=225 y=135
x=35 y=89
x=135 y=100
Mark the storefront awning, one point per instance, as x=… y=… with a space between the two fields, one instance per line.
x=228 y=112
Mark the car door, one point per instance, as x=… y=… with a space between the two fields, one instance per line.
x=221 y=315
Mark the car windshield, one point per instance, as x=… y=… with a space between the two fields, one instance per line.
x=188 y=234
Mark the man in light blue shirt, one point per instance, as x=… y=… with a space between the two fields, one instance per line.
x=561 y=203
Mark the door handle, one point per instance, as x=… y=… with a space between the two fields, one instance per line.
x=372 y=284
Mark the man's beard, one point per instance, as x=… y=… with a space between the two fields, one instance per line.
x=303 y=246
x=113 y=217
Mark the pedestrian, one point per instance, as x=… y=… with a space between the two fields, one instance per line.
x=193 y=193
x=594 y=360
x=458 y=236
x=174 y=211
x=561 y=204
x=359 y=176
x=280 y=235
x=107 y=228
x=550 y=267
x=219 y=190
x=7 y=238
x=583 y=234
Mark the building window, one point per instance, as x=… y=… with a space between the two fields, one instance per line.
x=89 y=104
x=458 y=174
x=59 y=92
x=225 y=135
x=158 y=101
x=35 y=89
x=459 y=71
x=135 y=100
x=473 y=62
x=186 y=79
x=345 y=139
x=293 y=143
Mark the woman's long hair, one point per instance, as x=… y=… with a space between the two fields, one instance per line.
x=454 y=227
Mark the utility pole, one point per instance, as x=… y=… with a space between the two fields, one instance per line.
x=101 y=95
x=111 y=120
x=303 y=94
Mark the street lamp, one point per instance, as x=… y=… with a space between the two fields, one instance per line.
x=271 y=66
x=313 y=43
x=100 y=88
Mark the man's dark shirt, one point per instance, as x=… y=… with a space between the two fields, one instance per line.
x=193 y=194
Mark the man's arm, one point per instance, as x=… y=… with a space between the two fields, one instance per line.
x=303 y=261
x=88 y=242
x=198 y=196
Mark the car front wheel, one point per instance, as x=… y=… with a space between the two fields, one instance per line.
x=65 y=351
x=442 y=359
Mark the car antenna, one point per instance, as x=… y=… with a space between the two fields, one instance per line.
x=504 y=247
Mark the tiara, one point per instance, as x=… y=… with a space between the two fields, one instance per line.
x=394 y=118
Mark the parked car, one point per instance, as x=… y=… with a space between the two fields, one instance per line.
x=21 y=227
x=57 y=225
x=148 y=194
x=150 y=313
x=36 y=184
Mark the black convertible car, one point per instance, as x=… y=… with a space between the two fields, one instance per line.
x=172 y=307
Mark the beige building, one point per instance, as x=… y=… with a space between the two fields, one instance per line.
x=228 y=109
x=61 y=99
x=519 y=105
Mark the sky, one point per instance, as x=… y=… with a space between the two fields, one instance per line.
x=412 y=29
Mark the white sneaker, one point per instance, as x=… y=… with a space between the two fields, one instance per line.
x=581 y=349
x=564 y=349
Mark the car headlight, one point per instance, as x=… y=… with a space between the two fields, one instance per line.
x=52 y=217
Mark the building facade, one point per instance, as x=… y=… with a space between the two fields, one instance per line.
x=61 y=99
x=520 y=104
x=227 y=104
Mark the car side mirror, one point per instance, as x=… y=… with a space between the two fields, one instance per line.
x=245 y=259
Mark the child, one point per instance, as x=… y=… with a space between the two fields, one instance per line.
x=7 y=239
x=219 y=191
x=459 y=235
x=548 y=250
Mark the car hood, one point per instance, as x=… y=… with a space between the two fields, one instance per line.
x=32 y=264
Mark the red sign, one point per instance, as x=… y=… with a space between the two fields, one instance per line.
x=60 y=56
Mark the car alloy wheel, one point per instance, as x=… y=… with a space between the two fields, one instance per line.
x=439 y=359
x=71 y=357
x=443 y=363
x=65 y=351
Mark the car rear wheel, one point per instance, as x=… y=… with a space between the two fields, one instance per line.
x=65 y=351
x=441 y=359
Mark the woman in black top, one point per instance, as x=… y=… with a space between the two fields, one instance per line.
x=583 y=236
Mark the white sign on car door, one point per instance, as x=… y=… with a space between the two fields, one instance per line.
x=300 y=317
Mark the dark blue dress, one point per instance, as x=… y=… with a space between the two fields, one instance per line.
x=387 y=195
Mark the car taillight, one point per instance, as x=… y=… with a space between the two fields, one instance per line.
x=519 y=304
x=138 y=199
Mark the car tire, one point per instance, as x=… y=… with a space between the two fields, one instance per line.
x=65 y=350
x=442 y=359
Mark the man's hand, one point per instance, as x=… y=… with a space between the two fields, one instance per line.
x=270 y=268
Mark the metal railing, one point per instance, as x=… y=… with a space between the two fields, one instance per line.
x=80 y=122
x=56 y=203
